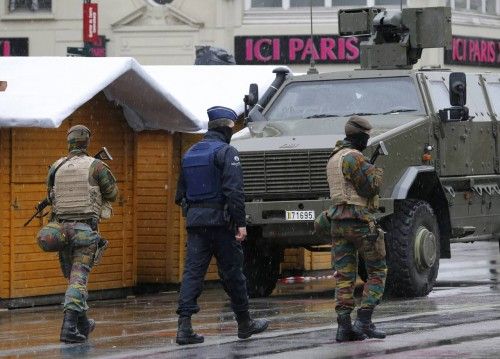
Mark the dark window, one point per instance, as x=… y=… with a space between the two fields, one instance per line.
x=30 y=5
x=306 y=3
x=266 y=3
x=389 y=2
x=349 y=2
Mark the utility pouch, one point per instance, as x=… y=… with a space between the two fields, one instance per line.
x=101 y=247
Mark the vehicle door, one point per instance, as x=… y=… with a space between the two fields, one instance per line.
x=491 y=83
x=453 y=138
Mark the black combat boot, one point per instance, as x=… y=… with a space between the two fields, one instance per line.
x=185 y=333
x=85 y=325
x=344 y=330
x=69 y=330
x=363 y=324
x=248 y=327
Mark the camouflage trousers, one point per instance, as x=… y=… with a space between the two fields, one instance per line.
x=349 y=237
x=77 y=244
x=83 y=245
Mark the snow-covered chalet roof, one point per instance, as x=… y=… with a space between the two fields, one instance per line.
x=44 y=91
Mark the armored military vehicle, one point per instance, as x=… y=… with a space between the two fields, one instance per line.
x=442 y=171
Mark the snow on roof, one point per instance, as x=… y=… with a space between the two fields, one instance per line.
x=201 y=87
x=44 y=91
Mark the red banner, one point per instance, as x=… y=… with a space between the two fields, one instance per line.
x=90 y=32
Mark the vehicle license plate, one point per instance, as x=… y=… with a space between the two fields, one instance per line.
x=300 y=216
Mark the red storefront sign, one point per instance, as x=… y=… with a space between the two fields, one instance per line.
x=90 y=31
x=473 y=51
x=298 y=49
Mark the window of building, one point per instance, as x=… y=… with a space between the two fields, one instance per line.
x=286 y=4
x=480 y=6
x=29 y=5
x=490 y=7
x=304 y=3
x=266 y=3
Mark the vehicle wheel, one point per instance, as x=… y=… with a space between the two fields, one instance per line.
x=261 y=268
x=412 y=246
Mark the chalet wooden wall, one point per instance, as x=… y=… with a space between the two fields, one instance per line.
x=146 y=233
x=25 y=156
x=5 y=229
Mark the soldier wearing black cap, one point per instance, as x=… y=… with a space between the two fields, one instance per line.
x=210 y=188
x=78 y=186
x=354 y=183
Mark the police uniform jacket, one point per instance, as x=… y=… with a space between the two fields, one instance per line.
x=227 y=161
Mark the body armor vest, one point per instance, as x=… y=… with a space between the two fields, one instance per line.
x=74 y=197
x=342 y=191
x=203 y=179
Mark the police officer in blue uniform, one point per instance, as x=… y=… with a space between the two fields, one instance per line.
x=210 y=188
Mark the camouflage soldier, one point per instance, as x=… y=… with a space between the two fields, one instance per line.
x=354 y=183
x=80 y=188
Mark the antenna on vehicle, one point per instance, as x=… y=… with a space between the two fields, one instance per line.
x=312 y=69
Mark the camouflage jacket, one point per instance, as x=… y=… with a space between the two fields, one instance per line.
x=366 y=179
x=100 y=173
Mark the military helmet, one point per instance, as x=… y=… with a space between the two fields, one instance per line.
x=78 y=137
x=79 y=133
x=357 y=124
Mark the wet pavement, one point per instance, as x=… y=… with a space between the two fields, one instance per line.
x=460 y=318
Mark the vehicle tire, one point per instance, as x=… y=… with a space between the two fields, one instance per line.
x=413 y=249
x=261 y=268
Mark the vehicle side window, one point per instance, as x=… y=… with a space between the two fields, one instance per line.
x=440 y=95
x=494 y=92
x=475 y=99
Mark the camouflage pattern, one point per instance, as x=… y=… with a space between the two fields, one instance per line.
x=82 y=262
x=349 y=237
x=78 y=138
x=51 y=238
x=77 y=257
x=366 y=179
x=322 y=224
x=353 y=230
x=77 y=245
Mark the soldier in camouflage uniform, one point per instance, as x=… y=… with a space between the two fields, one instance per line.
x=80 y=188
x=354 y=184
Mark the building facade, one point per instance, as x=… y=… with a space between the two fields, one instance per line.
x=255 y=31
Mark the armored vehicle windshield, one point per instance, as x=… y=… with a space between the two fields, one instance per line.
x=342 y=98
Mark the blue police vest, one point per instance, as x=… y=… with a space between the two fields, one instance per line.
x=202 y=177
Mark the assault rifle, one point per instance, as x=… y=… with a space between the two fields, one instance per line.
x=102 y=155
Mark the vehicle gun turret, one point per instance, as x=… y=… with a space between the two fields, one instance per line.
x=394 y=39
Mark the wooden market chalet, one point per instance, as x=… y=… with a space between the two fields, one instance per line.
x=146 y=116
